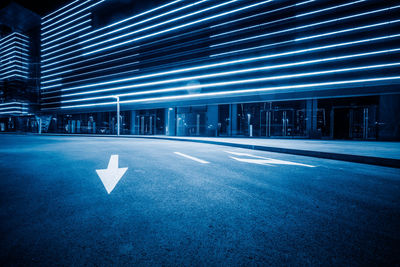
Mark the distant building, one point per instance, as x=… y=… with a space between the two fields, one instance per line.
x=19 y=68
x=287 y=69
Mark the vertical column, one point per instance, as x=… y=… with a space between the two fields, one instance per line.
x=170 y=124
x=212 y=120
x=314 y=118
x=133 y=122
x=311 y=121
x=233 y=119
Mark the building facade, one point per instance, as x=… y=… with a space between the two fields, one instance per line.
x=287 y=69
x=19 y=69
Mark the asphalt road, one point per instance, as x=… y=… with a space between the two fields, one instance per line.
x=204 y=205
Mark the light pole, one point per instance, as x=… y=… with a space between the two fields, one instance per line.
x=118 y=127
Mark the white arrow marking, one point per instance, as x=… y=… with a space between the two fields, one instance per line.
x=111 y=176
x=264 y=161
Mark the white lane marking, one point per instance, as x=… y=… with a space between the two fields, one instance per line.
x=264 y=161
x=111 y=176
x=192 y=158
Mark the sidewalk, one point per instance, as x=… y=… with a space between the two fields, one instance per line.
x=368 y=152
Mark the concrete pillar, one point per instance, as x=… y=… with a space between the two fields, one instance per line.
x=233 y=116
x=133 y=122
x=212 y=120
x=170 y=123
x=311 y=113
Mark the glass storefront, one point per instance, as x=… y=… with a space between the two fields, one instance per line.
x=345 y=118
x=279 y=119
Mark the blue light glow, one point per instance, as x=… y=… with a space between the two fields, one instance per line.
x=183 y=88
x=312 y=25
x=207 y=66
x=180 y=26
x=236 y=92
x=65 y=18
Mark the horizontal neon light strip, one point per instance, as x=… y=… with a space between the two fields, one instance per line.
x=114 y=24
x=13 y=60
x=130 y=18
x=309 y=49
x=91 y=65
x=139 y=38
x=162 y=23
x=67 y=29
x=15 y=43
x=15 y=48
x=94 y=71
x=272 y=78
x=5 y=39
x=14 y=112
x=15 y=39
x=102 y=76
x=287 y=18
x=61 y=43
x=61 y=26
x=13 y=53
x=50 y=81
x=58 y=10
x=15 y=75
x=177 y=27
x=308 y=26
x=14 y=66
x=61 y=55
x=15 y=70
x=256 y=90
x=251 y=59
x=14 y=63
x=348 y=30
x=141 y=22
x=11 y=103
x=80 y=11
x=67 y=17
x=109 y=26
x=224 y=74
x=260 y=14
x=19 y=108
x=67 y=35
x=85 y=60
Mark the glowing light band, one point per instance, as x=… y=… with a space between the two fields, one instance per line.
x=58 y=10
x=236 y=82
x=82 y=61
x=67 y=29
x=226 y=63
x=235 y=92
x=144 y=21
x=176 y=27
x=65 y=18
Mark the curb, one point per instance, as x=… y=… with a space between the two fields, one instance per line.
x=378 y=161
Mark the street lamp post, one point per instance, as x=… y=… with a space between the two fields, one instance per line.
x=118 y=111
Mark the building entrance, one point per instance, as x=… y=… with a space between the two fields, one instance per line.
x=146 y=124
x=285 y=122
x=354 y=122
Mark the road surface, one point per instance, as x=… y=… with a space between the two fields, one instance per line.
x=182 y=203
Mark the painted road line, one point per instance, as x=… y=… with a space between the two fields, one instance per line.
x=262 y=160
x=111 y=176
x=192 y=158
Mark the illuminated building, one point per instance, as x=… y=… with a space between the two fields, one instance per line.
x=19 y=68
x=306 y=69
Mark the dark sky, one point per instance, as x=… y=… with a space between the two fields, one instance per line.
x=41 y=7
x=44 y=7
